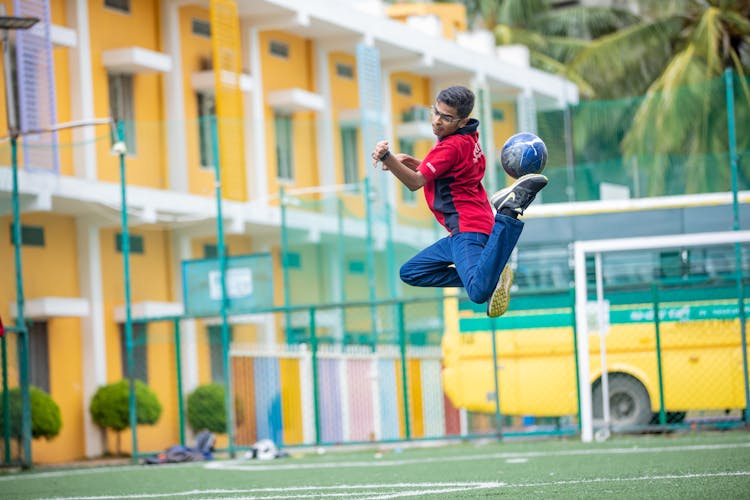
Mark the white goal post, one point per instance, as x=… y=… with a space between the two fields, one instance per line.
x=582 y=249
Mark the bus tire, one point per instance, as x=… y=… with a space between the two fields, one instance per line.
x=629 y=402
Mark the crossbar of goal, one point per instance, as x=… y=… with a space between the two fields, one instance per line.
x=593 y=247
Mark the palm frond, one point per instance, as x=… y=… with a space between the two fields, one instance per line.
x=521 y=12
x=627 y=61
x=551 y=65
x=583 y=22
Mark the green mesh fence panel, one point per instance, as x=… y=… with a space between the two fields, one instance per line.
x=666 y=143
x=10 y=400
x=249 y=284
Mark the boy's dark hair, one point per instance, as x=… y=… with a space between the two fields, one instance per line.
x=458 y=97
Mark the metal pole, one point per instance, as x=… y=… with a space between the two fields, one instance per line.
x=393 y=289
x=285 y=265
x=341 y=250
x=572 y=294
x=602 y=342
x=729 y=84
x=371 y=262
x=178 y=365
x=19 y=23
x=10 y=102
x=570 y=188
x=23 y=332
x=662 y=411
x=316 y=382
x=495 y=378
x=121 y=149
x=404 y=380
x=6 y=400
x=228 y=396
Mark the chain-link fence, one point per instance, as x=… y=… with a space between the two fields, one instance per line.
x=350 y=354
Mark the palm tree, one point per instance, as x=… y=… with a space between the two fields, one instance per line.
x=672 y=52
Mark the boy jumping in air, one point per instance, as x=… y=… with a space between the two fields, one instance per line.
x=475 y=254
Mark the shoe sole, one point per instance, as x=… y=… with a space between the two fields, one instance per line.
x=500 y=300
x=502 y=193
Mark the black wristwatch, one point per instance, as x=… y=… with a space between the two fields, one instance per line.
x=385 y=155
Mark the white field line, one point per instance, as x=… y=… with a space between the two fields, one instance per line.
x=246 y=466
x=337 y=491
x=413 y=489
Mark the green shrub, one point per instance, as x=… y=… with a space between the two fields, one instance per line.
x=46 y=420
x=110 y=406
x=206 y=409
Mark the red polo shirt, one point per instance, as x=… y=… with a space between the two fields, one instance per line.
x=454 y=169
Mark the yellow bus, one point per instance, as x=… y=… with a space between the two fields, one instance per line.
x=699 y=367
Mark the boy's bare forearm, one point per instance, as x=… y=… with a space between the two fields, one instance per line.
x=403 y=166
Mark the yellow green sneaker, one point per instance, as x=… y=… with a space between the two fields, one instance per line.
x=498 y=303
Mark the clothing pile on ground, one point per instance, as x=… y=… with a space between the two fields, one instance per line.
x=203 y=450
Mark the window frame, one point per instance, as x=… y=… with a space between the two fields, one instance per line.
x=283 y=125
x=119 y=6
x=206 y=108
x=121 y=91
x=39 y=375
x=215 y=352
x=140 y=351
x=350 y=154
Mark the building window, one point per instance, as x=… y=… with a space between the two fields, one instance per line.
x=283 y=128
x=403 y=88
x=135 y=243
x=216 y=353
x=279 y=49
x=39 y=355
x=31 y=236
x=349 y=154
x=201 y=27
x=140 y=352
x=210 y=251
x=118 y=5
x=356 y=267
x=407 y=195
x=345 y=71
x=293 y=260
x=206 y=110
x=122 y=107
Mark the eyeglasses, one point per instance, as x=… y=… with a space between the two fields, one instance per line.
x=443 y=117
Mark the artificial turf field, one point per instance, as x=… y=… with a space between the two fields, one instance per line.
x=712 y=465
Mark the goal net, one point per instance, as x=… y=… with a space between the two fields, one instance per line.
x=697 y=306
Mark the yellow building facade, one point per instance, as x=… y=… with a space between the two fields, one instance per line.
x=149 y=65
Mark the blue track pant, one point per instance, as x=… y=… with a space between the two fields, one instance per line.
x=470 y=260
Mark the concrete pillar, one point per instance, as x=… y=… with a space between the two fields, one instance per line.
x=94 y=348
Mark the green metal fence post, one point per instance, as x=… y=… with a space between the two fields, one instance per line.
x=23 y=338
x=121 y=149
x=6 y=401
x=404 y=380
x=286 y=287
x=572 y=295
x=316 y=382
x=660 y=373
x=9 y=52
x=178 y=365
x=371 y=263
x=729 y=84
x=221 y=248
x=495 y=379
x=341 y=252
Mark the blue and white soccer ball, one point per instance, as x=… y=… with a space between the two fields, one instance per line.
x=523 y=153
